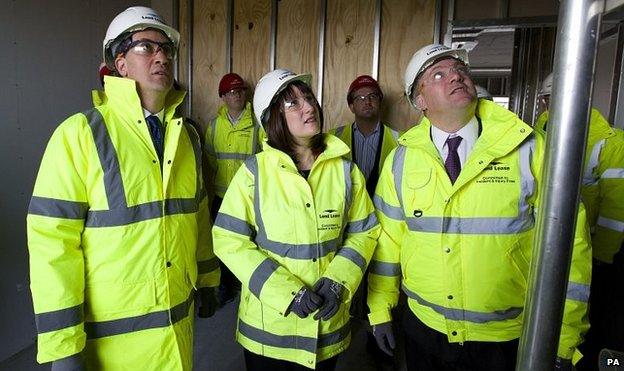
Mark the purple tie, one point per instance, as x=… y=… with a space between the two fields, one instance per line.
x=452 y=164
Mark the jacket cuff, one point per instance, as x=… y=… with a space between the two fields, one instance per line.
x=72 y=363
x=381 y=316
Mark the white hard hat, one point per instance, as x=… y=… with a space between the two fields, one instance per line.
x=135 y=18
x=424 y=58
x=271 y=85
x=546 y=88
x=482 y=92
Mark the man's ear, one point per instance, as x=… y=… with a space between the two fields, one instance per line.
x=121 y=67
x=351 y=108
x=420 y=102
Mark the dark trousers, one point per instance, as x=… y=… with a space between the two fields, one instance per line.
x=256 y=362
x=606 y=312
x=427 y=349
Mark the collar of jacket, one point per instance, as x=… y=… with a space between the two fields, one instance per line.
x=502 y=132
x=335 y=148
x=599 y=127
x=121 y=94
x=245 y=119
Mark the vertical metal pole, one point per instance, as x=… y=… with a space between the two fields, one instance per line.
x=575 y=55
x=616 y=112
x=321 y=53
x=376 y=40
x=189 y=87
x=176 y=24
x=228 y=39
x=450 y=14
x=273 y=37
x=437 y=23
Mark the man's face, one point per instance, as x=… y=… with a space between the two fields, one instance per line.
x=446 y=85
x=235 y=99
x=365 y=104
x=153 y=72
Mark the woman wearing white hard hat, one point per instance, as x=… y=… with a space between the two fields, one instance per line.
x=298 y=229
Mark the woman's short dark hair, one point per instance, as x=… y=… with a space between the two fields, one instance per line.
x=279 y=137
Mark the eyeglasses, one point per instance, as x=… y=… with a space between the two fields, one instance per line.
x=297 y=103
x=234 y=93
x=444 y=73
x=149 y=48
x=371 y=97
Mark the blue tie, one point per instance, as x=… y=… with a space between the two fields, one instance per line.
x=156 y=132
x=452 y=163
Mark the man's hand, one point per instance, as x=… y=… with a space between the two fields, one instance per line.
x=208 y=302
x=305 y=302
x=331 y=292
x=384 y=336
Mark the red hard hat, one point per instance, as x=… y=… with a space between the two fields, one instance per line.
x=361 y=82
x=104 y=71
x=231 y=81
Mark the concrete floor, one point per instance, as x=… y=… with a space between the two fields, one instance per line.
x=215 y=348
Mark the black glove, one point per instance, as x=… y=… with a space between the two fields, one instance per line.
x=384 y=336
x=208 y=301
x=331 y=292
x=305 y=302
x=562 y=364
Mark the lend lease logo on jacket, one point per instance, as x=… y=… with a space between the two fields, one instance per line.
x=329 y=213
x=496 y=172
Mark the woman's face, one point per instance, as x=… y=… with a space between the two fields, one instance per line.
x=302 y=117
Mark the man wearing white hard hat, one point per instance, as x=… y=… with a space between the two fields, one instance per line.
x=456 y=202
x=118 y=224
x=297 y=228
x=602 y=192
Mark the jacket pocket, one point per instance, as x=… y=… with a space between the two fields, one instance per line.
x=520 y=262
x=420 y=190
x=103 y=299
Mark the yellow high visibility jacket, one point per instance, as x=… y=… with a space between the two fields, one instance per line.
x=278 y=232
x=227 y=146
x=390 y=138
x=117 y=247
x=602 y=190
x=462 y=251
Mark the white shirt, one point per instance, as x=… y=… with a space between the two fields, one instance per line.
x=160 y=115
x=469 y=134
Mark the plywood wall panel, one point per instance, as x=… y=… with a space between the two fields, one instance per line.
x=348 y=53
x=251 y=39
x=209 y=57
x=298 y=25
x=406 y=27
x=184 y=47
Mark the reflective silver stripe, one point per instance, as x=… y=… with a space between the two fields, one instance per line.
x=207 y=266
x=578 y=292
x=527 y=180
x=234 y=224
x=385 y=269
x=125 y=216
x=232 y=156
x=466 y=315
x=397 y=169
x=57 y=208
x=339 y=130
x=293 y=251
x=180 y=206
x=395 y=134
x=613 y=173
x=613 y=224
x=362 y=225
x=220 y=189
x=163 y=318
x=254 y=139
x=589 y=174
x=113 y=184
x=260 y=275
x=354 y=256
x=392 y=212
x=308 y=344
x=210 y=145
x=59 y=319
x=347 y=167
x=493 y=225
x=74 y=362
x=298 y=251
